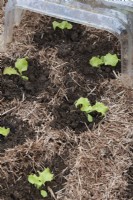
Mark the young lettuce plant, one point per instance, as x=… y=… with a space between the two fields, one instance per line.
x=85 y=106
x=62 y=25
x=21 y=65
x=108 y=59
x=4 y=131
x=39 y=181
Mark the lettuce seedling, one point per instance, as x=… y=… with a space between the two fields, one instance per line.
x=108 y=59
x=62 y=25
x=85 y=106
x=21 y=65
x=40 y=180
x=96 y=61
x=4 y=131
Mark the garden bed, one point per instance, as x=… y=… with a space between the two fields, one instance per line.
x=88 y=160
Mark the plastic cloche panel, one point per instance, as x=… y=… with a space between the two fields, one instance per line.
x=115 y=16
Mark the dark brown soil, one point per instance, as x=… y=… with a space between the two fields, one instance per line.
x=22 y=190
x=66 y=115
x=15 y=86
x=76 y=47
x=19 y=132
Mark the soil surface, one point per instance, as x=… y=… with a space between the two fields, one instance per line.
x=19 y=132
x=74 y=47
x=22 y=190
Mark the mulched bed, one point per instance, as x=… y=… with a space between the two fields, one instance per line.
x=21 y=190
x=74 y=47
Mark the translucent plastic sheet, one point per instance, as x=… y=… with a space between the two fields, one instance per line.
x=113 y=16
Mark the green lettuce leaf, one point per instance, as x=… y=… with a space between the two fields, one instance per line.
x=25 y=78
x=21 y=64
x=10 y=71
x=4 y=131
x=90 y=118
x=84 y=103
x=110 y=59
x=44 y=193
x=62 y=25
x=100 y=107
x=96 y=62
x=46 y=175
x=35 y=180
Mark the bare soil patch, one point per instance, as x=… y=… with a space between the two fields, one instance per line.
x=19 y=131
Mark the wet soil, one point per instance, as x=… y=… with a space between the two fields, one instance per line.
x=75 y=47
x=14 y=86
x=20 y=189
x=19 y=132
